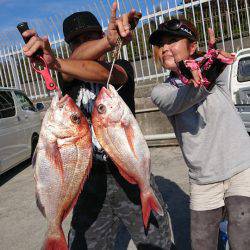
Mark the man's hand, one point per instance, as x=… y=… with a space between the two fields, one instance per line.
x=120 y=26
x=35 y=43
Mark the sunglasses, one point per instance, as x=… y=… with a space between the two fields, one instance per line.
x=176 y=25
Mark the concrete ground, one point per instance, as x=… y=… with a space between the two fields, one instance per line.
x=22 y=227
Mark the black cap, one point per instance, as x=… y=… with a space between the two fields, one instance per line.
x=173 y=27
x=78 y=23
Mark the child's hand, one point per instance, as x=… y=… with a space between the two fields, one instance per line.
x=194 y=75
x=197 y=80
x=212 y=40
x=223 y=56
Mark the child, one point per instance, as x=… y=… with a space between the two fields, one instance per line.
x=212 y=137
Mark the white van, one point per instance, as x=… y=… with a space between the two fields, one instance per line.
x=20 y=125
x=239 y=85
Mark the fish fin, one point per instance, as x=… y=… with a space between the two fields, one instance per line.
x=39 y=204
x=149 y=202
x=126 y=176
x=34 y=157
x=54 y=155
x=72 y=205
x=130 y=137
x=55 y=241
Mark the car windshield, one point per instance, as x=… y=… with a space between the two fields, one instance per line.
x=7 y=107
x=25 y=102
x=244 y=70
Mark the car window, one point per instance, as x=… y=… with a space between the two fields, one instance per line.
x=7 y=106
x=24 y=101
x=244 y=70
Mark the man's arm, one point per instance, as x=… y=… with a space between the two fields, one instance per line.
x=91 y=71
x=172 y=100
x=87 y=70
x=92 y=50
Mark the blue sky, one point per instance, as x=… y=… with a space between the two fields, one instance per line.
x=15 y=11
x=34 y=11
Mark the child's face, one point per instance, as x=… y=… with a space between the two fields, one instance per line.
x=175 y=49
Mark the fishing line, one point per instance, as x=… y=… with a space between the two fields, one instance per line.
x=115 y=56
x=118 y=46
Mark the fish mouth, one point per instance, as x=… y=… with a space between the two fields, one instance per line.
x=106 y=92
x=63 y=101
x=59 y=93
x=66 y=104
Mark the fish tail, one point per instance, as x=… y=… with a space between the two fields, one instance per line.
x=149 y=202
x=55 y=241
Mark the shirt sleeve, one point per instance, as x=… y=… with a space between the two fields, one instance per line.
x=68 y=87
x=62 y=84
x=224 y=77
x=127 y=67
x=126 y=91
x=173 y=100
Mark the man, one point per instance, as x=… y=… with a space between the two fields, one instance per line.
x=107 y=198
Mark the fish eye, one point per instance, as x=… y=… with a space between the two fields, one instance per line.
x=101 y=109
x=75 y=118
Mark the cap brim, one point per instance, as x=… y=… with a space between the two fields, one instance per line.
x=157 y=36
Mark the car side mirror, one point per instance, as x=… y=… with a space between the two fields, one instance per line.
x=39 y=106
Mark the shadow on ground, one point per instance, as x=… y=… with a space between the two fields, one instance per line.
x=7 y=176
x=178 y=203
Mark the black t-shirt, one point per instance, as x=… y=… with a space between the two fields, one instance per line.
x=85 y=93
